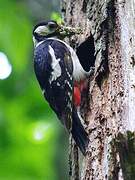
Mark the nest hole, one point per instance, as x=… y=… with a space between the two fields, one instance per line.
x=86 y=53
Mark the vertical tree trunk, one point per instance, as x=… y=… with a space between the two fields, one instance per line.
x=110 y=115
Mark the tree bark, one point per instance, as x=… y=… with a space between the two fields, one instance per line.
x=110 y=114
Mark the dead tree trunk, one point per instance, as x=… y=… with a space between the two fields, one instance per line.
x=108 y=41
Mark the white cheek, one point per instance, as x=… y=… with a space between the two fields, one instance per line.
x=42 y=30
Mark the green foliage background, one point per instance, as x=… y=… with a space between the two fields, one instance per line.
x=32 y=143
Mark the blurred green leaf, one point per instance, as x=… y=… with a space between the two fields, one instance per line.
x=31 y=140
x=56 y=17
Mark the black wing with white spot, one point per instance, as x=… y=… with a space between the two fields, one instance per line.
x=54 y=71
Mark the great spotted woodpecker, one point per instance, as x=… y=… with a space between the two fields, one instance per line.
x=60 y=76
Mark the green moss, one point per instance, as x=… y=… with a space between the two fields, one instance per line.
x=125 y=145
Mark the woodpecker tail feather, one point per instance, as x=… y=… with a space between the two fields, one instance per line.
x=79 y=134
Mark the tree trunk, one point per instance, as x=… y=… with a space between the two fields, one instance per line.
x=108 y=41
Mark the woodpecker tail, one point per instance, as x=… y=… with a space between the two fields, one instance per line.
x=79 y=134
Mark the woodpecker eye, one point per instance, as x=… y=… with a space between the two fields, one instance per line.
x=52 y=26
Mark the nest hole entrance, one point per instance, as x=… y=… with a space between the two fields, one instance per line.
x=86 y=53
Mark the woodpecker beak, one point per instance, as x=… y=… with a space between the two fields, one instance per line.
x=42 y=30
x=65 y=31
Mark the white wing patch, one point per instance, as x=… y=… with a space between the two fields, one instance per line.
x=56 y=69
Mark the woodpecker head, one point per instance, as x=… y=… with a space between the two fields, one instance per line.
x=45 y=30
x=48 y=29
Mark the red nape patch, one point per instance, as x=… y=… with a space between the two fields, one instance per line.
x=77 y=96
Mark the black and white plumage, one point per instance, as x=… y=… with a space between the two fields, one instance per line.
x=57 y=67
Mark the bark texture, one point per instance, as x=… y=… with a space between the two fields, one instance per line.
x=110 y=114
